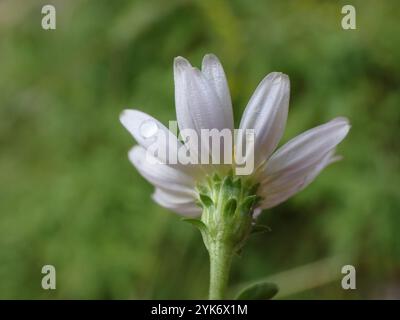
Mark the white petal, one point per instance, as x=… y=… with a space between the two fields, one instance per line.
x=284 y=187
x=308 y=147
x=154 y=136
x=197 y=104
x=148 y=131
x=161 y=175
x=329 y=159
x=197 y=107
x=266 y=113
x=298 y=162
x=184 y=205
x=174 y=196
x=181 y=105
x=214 y=73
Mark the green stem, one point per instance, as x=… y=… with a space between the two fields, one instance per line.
x=220 y=265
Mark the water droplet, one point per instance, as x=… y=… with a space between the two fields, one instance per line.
x=148 y=129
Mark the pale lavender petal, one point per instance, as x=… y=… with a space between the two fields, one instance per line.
x=184 y=205
x=214 y=73
x=279 y=190
x=148 y=131
x=155 y=138
x=161 y=175
x=181 y=104
x=197 y=106
x=305 y=149
x=266 y=113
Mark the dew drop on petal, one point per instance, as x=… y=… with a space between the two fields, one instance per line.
x=148 y=129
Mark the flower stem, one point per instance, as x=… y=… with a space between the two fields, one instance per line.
x=220 y=265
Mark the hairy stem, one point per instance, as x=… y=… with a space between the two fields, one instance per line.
x=220 y=264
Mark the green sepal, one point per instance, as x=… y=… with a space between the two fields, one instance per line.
x=248 y=203
x=259 y=228
x=216 y=178
x=217 y=185
x=197 y=223
x=202 y=189
x=227 y=184
x=259 y=291
x=254 y=188
x=237 y=184
x=231 y=187
x=230 y=207
x=206 y=200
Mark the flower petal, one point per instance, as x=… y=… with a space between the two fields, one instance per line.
x=305 y=149
x=156 y=138
x=214 y=73
x=285 y=186
x=160 y=174
x=266 y=113
x=181 y=105
x=197 y=104
x=298 y=162
x=198 y=107
x=147 y=131
x=183 y=205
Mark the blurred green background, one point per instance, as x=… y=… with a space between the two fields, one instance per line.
x=70 y=198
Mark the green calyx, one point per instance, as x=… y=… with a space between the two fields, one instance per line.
x=228 y=205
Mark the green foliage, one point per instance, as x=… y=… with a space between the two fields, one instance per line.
x=196 y=223
x=259 y=291
x=69 y=196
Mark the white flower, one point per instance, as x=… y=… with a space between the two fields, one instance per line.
x=203 y=101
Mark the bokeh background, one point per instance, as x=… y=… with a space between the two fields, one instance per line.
x=70 y=198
